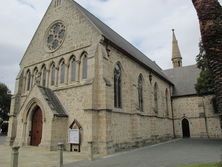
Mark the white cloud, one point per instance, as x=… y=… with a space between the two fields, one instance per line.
x=146 y=24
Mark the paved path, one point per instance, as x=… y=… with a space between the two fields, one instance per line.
x=35 y=156
x=2 y=139
x=173 y=154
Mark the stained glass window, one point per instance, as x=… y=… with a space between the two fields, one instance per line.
x=62 y=72
x=117 y=87
x=56 y=35
x=140 y=92
x=53 y=74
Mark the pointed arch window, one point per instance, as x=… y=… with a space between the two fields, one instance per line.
x=43 y=76
x=140 y=92
x=221 y=121
x=53 y=73
x=166 y=101
x=156 y=97
x=117 y=87
x=62 y=72
x=84 y=66
x=28 y=80
x=73 y=69
x=35 y=75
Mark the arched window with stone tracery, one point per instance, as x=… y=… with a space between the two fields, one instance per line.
x=28 y=80
x=52 y=74
x=43 y=78
x=84 y=66
x=73 y=66
x=140 y=92
x=62 y=72
x=156 y=97
x=167 y=101
x=117 y=86
x=35 y=75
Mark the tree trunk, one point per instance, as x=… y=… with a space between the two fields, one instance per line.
x=210 y=19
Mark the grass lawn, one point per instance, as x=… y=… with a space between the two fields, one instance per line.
x=204 y=165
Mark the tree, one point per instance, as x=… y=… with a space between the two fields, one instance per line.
x=204 y=85
x=1 y=121
x=5 y=101
x=210 y=18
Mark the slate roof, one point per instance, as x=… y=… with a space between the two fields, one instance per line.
x=123 y=44
x=53 y=102
x=184 y=79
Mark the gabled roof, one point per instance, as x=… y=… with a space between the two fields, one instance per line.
x=53 y=102
x=123 y=44
x=184 y=79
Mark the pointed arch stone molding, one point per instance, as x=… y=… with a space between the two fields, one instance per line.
x=75 y=122
x=34 y=102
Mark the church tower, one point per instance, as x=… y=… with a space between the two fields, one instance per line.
x=176 y=56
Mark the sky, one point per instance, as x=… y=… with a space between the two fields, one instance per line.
x=146 y=24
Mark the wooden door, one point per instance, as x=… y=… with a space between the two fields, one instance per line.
x=186 y=128
x=36 y=132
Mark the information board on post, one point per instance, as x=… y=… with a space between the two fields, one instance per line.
x=74 y=136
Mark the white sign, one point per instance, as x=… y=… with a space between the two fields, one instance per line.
x=74 y=136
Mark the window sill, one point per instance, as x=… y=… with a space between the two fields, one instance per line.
x=118 y=110
x=72 y=85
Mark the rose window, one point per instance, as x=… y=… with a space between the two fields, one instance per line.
x=56 y=35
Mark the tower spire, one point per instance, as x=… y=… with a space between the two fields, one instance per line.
x=176 y=56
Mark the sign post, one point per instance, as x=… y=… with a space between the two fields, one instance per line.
x=74 y=138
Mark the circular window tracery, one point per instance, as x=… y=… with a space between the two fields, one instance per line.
x=55 y=36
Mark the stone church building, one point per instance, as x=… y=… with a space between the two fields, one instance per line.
x=77 y=73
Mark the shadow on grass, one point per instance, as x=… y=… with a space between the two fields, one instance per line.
x=204 y=165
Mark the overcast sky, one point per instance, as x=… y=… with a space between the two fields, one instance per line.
x=146 y=24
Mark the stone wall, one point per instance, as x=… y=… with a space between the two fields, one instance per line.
x=200 y=114
x=127 y=127
x=75 y=96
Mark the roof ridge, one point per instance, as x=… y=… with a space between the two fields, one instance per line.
x=53 y=101
x=122 y=43
x=192 y=65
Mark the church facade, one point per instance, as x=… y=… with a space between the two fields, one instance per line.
x=78 y=73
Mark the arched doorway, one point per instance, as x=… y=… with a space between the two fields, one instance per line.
x=36 y=129
x=185 y=128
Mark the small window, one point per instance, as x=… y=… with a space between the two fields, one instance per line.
x=53 y=70
x=28 y=81
x=117 y=87
x=156 y=97
x=58 y=2
x=73 y=69
x=167 y=101
x=140 y=92
x=62 y=72
x=84 y=67
x=221 y=121
x=44 y=76
x=35 y=75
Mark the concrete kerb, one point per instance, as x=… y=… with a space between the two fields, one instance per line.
x=142 y=148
